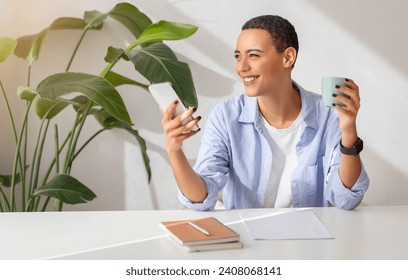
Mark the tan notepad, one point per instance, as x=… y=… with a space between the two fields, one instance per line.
x=186 y=234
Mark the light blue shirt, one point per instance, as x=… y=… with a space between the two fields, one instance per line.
x=236 y=157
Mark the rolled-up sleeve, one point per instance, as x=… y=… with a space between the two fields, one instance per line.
x=340 y=196
x=208 y=202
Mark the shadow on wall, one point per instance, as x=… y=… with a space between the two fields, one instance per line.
x=213 y=84
x=375 y=24
x=359 y=18
x=388 y=185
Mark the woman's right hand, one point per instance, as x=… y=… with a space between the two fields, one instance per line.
x=174 y=129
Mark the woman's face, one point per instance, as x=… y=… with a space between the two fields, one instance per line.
x=258 y=64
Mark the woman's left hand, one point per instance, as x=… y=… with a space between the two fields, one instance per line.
x=348 y=114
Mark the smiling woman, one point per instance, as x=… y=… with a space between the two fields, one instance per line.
x=361 y=43
x=255 y=55
x=275 y=146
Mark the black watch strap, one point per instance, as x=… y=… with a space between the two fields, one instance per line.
x=353 y=151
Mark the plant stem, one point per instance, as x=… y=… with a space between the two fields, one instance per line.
x=29 y=204
x=4 y=202
x=75 y=50
x=71 y=139
x=29 y=76
x=88 y=141
x=17 y=159
x=37 y=159
x=58 y=202
x=56 y=141
x=21 y=164
x=54 y=162
x=40 y=146
x=32 y=186
x=67 y=169
x=9 y=111
x=4 y=197
x=46 y=204
x=58 y=205
x=24 y=163
x=47 y=174
x=22 y=167
x=107 y=69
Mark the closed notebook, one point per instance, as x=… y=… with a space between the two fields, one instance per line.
x=186 y=234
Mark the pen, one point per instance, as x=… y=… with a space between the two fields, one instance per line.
x=197 y=227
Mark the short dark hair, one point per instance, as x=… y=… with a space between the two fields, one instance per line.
x=281 y=31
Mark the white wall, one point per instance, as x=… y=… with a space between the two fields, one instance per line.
x=365 y=40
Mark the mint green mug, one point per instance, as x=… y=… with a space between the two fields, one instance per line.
x=329 y=88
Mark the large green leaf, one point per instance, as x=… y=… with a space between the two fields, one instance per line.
x=117 y=80
x=7 y=46
x=98 y=89
x=131 y=17
x=28 y=47
x=158 y=63
x=107 y=121
x=68 y=23
x=165 y=30
x=67 y=189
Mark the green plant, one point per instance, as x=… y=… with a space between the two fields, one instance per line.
x=96 y=95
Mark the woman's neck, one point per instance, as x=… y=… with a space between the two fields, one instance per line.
x=280 y=109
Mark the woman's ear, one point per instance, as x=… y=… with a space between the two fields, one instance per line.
x=289 y=57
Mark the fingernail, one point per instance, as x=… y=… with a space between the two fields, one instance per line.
x=347 y=80
x=334 y=105
x=176 y=102
x=334 y=95
x=194 y=109
x=199 y=118
x=337 y=86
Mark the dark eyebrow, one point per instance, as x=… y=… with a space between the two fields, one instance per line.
x=249 y=50
x=253 y=50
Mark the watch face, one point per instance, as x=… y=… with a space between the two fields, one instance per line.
x=359 y=146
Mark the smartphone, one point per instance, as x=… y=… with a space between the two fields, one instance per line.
x=164 y=94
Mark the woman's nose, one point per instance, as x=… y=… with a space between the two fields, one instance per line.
x=242 y=65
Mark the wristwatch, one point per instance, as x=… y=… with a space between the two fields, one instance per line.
x=353 y=151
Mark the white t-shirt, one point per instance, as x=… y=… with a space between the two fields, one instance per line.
x=283 y=144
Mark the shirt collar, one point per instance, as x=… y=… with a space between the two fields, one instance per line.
x=250 y=112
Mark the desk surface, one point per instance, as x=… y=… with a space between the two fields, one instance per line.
x=370 y=232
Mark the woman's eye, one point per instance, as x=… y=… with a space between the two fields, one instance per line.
x=237 y=56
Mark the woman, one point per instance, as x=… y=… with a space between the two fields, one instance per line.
x=276 y=145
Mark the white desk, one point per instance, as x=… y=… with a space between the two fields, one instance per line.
x=379 y=232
